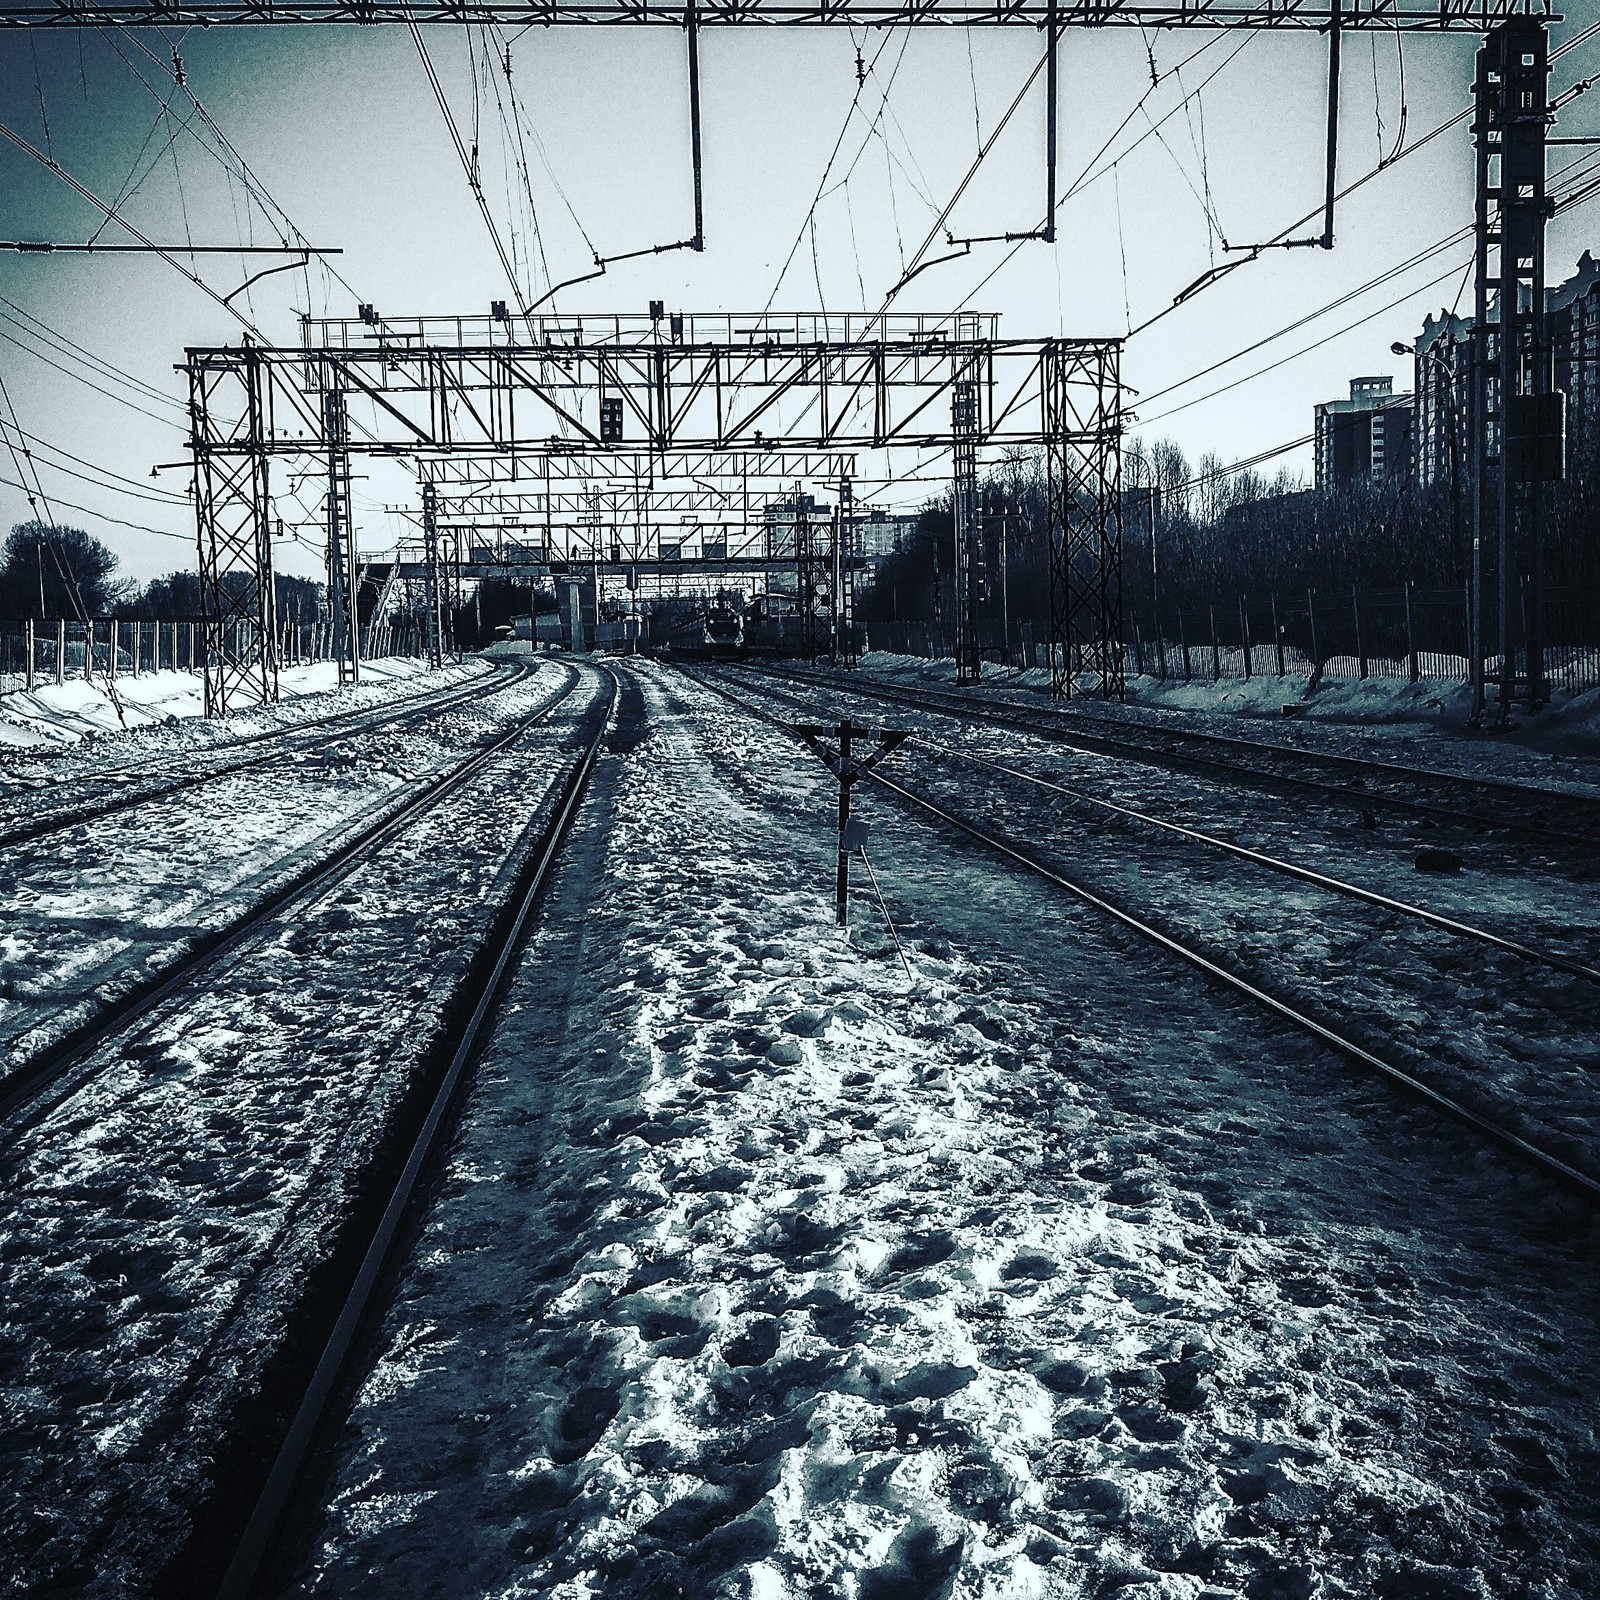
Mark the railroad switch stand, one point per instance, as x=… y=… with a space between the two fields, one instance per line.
x=840 y=758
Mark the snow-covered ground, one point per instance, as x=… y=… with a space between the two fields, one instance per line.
x=758 y=1270
x=1389 y=716
x=123 y=895
x=54 y=715
x=164 y=1225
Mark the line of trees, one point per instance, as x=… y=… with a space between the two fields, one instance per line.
x=58 y=571
x=1194 y=532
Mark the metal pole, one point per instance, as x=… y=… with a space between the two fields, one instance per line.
x=1052 y=33
x=841 y=897
x=27 y=631
x=1361 y=649
x=691 y=24
x=1333 y=125
x=1411 y=636
x=61 y=651
x=1005 y=592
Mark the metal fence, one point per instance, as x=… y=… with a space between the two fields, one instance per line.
x=34 y=654
x=1410 y=632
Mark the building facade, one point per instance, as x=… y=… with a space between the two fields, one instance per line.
x=1444 y=398
x=1366 y=438
x=1573 y=323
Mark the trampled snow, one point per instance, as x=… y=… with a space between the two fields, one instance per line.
x=758 y=1270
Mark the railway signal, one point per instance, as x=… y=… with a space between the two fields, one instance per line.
x=840 y=758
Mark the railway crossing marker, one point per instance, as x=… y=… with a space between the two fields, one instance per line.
x=840 y=759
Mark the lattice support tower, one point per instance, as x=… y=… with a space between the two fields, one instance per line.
x=813 y=552
x=964 y=505
x=339 y=528
x=1517 y=422
x=433 y=577
x=233 y=529
x=844 y=576
x=1083 y=494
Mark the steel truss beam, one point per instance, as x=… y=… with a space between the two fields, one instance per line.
x=727 y=468
x=1474 y=16
x=503 y=400
x=754 y=395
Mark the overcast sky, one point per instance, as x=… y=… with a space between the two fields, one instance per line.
x=341 y=127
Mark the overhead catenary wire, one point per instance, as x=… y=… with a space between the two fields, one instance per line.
x=469 y=167
x=1383 y=166
x=1561 y=201
x=172 y=261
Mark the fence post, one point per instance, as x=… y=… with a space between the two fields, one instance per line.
x=1411 y=636
x=88 y=649
x=1216 y=650
x=1277 y=632
x=1244 y=636
x=1361 y=649
x=27 y=629
x=61 y=651
x=1138 y=647
x=1161 y=651
x=1183 y=645
x=1311 y=613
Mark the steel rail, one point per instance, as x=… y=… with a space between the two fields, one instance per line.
x=1553 y=1165
x=289 y=741
x=1320 y=880
x=1052 y=728
x=35 y=1089
x=260 y=1538
x=1567 y=1174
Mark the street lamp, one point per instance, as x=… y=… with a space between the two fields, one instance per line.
x=1401 y=349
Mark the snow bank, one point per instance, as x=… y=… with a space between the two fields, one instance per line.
x=57 y=714
x=1569 y=724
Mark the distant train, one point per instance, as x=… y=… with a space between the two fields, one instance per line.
x=724 y=632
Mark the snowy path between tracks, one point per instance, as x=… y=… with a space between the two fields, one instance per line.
x=759 y=1272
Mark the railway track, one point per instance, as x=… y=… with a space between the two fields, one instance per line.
x=338 y=1216
x=476 y=1003
x=1480 y=803
x=30 y=1092
x=1283 y=1005
x=73 y=802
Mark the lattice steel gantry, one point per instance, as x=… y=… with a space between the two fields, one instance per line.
x=467 y=388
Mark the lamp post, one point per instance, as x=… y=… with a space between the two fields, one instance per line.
x=1474 y=643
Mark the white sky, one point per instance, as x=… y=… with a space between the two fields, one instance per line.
x=341 y=127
